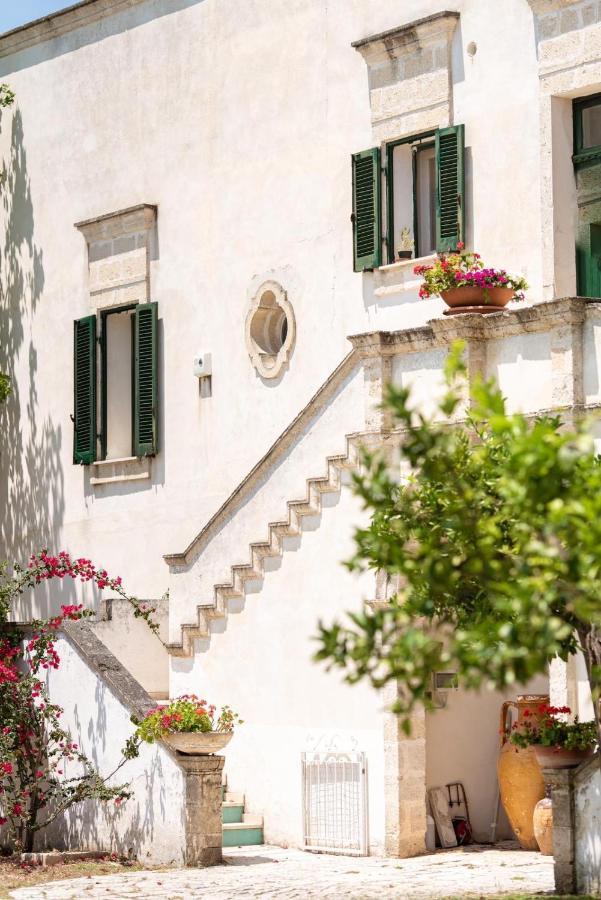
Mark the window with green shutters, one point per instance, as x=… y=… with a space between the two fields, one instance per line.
x=416 y=185
x=126 y=393
x=84 y=381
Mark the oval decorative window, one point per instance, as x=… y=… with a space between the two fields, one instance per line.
x=270 y=329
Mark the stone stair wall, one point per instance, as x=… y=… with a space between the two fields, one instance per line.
x=134 y=644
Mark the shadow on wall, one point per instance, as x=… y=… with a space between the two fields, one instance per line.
x=128 y=830
x=31 y=479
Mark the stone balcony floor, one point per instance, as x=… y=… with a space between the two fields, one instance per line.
x=267 y=871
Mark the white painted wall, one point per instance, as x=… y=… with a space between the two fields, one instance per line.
x=150 y=826
x=587 y=829
x=259 y=662
x=230 y=211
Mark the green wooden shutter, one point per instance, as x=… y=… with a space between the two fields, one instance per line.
x=450 y=187
x=367 y=210
x=145 y=379
x=84 y=382
x=588 y=263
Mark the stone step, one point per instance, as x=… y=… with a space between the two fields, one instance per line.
x=244 y=834
x=233 y=797
x=232 y=812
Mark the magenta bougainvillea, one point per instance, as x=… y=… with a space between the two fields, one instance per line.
x=42 y=770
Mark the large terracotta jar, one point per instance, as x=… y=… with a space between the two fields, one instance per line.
x=520 y=778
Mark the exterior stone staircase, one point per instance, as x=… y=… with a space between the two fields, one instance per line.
x=240 y=829
x=253 y=570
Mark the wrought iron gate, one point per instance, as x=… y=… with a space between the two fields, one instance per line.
x=335 y=803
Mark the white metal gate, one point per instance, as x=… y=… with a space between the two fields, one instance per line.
x=335 y=802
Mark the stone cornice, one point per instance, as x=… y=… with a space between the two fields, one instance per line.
x=542 y=7
x=59 y=23
x=398 y=42
x=474 y=327
x=124 y=221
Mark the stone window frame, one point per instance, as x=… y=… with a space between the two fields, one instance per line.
x=107 y=236
x=568 y=43
x=270 y=362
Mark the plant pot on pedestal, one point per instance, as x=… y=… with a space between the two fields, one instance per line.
x=198 y=743
x=521 y=782
x=561 y=757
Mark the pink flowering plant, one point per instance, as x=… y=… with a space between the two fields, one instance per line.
x=42 y=770
x=464 y=268
x=185 y=714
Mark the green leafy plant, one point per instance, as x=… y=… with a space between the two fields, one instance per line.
x=495 y=539
x=185 y=714
x=550 y=727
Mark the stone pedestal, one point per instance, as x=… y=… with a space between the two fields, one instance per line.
x=561 y=782
x=204 y=833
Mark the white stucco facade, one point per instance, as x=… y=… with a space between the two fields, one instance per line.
x=203 y=150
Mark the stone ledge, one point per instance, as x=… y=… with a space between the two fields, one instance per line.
x=115 y=471
x=396 y=41
x=109 y=226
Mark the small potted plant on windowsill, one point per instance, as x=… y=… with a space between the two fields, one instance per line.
x=188 y=725
x=406 y=245
x=466 y=285
x=557 y=742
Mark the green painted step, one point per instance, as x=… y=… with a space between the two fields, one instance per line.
x=242 y=836
x=232 y=812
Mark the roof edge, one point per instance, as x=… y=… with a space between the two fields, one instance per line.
x=61 y=22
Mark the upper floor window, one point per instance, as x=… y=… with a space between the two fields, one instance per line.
x=587 y=170
x=115 y=384
x=419 y=190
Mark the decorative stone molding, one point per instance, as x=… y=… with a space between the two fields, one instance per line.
x=61 y=22
x=112 y=471
x=543 y=7
x=270 y=329
x=410 y=76
x=120 y=246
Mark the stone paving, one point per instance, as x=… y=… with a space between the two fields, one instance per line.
x=273 y=872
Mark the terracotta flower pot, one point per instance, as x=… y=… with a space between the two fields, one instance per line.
x=199 y=743
x=542 y=822
x=561 y=757
x=469 y=295
x=520 y=778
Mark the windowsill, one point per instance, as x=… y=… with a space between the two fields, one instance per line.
x=398 y=277
x=127 y=468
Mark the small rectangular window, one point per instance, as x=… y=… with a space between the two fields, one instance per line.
x=118 y=394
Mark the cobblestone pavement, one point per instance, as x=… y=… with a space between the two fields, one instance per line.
x=272 y=872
